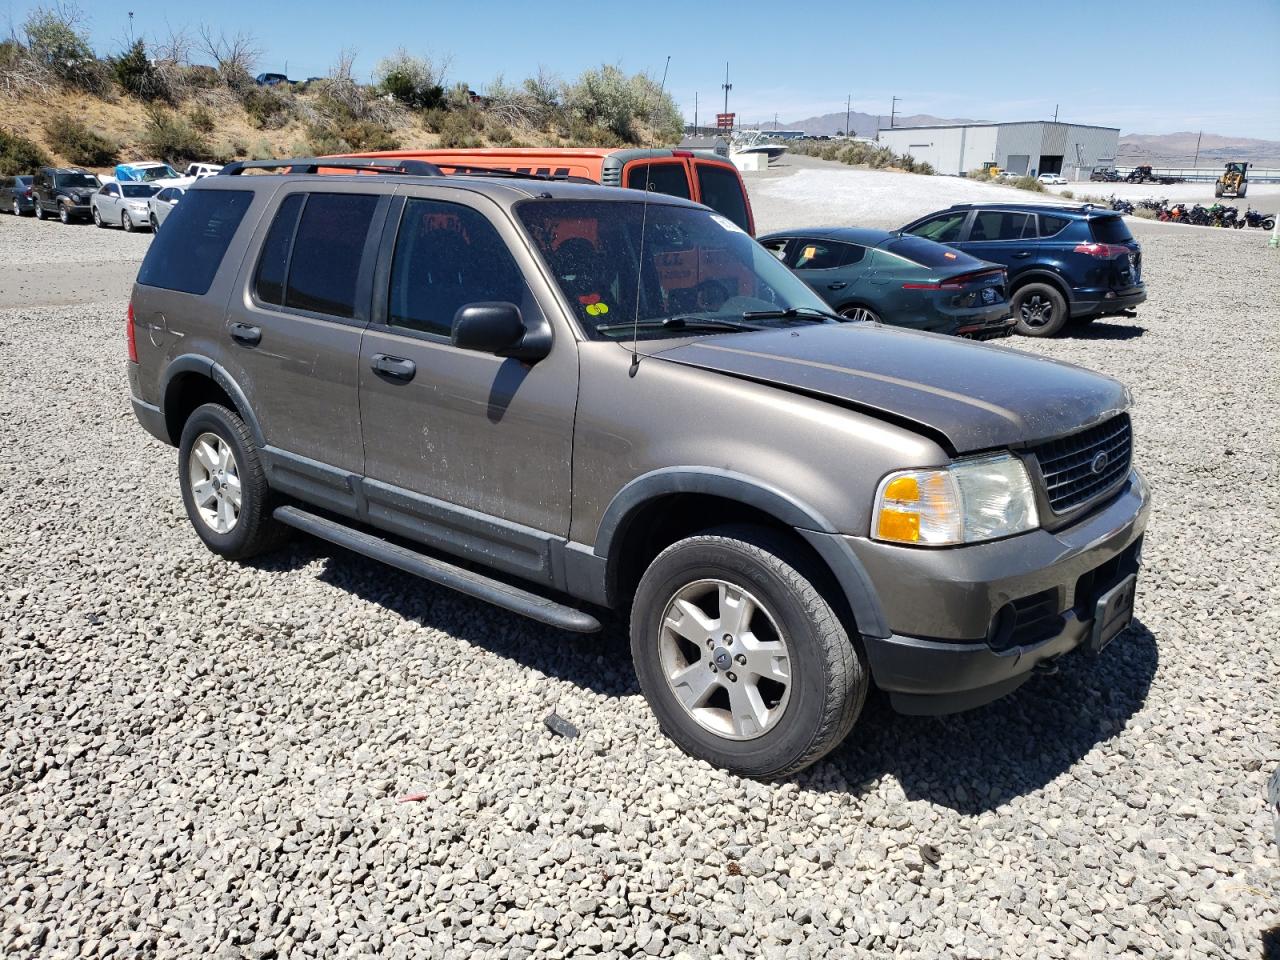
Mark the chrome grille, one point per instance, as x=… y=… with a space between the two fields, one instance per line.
x=1070 y=465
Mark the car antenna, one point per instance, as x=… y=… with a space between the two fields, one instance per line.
x=644 y=213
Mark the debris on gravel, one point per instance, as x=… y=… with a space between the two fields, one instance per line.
x=201 y=758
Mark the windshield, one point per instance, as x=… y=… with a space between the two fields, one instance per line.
x=75 y=180
x=147 y=174
x=137 y=190
x=701 y=274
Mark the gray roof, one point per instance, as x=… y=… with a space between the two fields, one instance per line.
x=1002 y=123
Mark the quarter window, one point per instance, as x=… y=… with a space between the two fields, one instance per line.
x=446 y=257
x=273 y=265
x=185 y=256
x=668 y=178
x=1049 y=226
x=325 y=262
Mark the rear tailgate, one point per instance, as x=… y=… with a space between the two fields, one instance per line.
x=1114 y=244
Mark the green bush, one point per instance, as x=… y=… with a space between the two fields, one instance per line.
x=137 y=76
x=19 y=155
x=627 y=107
x=170 y=137
x=266 y=108
x=55 y=42
x=1029 y=183
x=1068 y=194
x=460 y=128
x=982 y=174
x=78 y=143
x=349 y=136
x=413 y=81
x=202 y=118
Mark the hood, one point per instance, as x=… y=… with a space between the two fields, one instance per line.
x=972 y=396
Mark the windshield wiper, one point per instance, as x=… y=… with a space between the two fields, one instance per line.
x=793 y=313
x=681 y=323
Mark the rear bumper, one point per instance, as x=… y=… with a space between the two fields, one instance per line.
x=979 y=323
x=949 y=650
x=1101 y=303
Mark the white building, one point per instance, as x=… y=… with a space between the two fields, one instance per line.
x=1036 y=147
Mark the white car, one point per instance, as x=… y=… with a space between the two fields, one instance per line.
x=198 y=170
x=1053 y=179
x=162 y=204
x=123 y=205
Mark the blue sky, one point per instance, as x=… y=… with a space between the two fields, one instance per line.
x=1147 y=66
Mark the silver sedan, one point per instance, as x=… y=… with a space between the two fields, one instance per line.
x=123 y=205
x=162 y=203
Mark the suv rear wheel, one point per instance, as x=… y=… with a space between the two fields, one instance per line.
x=741 y=658
x=223 y=485
x=1039 y=309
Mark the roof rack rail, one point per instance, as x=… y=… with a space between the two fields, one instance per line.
x=470 y=170
x=296 y=165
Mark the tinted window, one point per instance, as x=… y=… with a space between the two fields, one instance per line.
x=111 y=190
x=819 y=254
x=1051 y=225
x=943 y=229
x=669 y=178
x=722 y=192
x=326 y=252
x=777 y=246
x=447 y=256
x=274 y=261
x=75 y=180
x=1110 y=230
x=926 y=253
x=186 y=255
x=137 y=190
x=999 y=225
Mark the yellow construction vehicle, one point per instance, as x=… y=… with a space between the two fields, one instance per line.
x=1234 y=181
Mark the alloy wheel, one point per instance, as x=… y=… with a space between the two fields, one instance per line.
x=64 y=213
x=215 y=482
x=725 y=659
x=97 y=217
x=1036 y=311
x=17 y=208
x=126 y=223
x=859 y=313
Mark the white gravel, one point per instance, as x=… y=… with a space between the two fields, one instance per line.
x=202 y=759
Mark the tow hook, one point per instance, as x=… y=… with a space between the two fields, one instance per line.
x=1046 y=668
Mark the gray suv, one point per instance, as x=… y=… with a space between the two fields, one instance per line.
x=562 y=398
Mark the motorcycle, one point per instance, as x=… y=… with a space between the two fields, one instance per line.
x=1122 y=206
x=1252 y=218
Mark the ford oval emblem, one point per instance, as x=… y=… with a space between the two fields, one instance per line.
x=1099 y=462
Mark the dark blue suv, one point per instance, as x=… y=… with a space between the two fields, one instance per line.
x=1064 y=262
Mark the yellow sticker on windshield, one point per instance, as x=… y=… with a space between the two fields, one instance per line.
x=809 y=253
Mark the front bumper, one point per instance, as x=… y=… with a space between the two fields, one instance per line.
x=959 y=639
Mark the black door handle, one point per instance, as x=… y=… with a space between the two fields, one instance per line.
x=838 y=285
x=398 y=368
x=246 y=333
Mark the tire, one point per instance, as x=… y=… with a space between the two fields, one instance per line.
x=64 y=214
x=856 y=311
x=97 y=219
x=1269 y=223
x=155 y=224
x=126 y=223
x=1041 y=311
x=251 y=529
x=40 y=214
x=1217 y=190
x=824 y=680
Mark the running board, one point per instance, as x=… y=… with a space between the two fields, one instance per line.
x=500 y=594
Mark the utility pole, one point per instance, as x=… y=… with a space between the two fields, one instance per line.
x=775 y=121
x=131 y=28
x=848 y=103
x=1055 y=113
x=727 y=86
x=893 y=110
x=695 y=113
x=1196 y=161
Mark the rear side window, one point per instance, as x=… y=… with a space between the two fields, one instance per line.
x=1001 y=225
x=1110 y=230
x=327 y=247
x=274 y=262
x=446 y=257
x=668 y=178
x=1051 y=226
x=186 y=255
x=943 y=229
x=722 y=191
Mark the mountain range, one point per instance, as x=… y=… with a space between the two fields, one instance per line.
x=1164 y=149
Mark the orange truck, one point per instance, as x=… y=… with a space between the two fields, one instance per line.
x=698 y=175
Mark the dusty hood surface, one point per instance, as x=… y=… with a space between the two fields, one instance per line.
x=975 y=396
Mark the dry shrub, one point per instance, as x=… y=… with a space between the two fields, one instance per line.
x=19 y=155
x=81 y=145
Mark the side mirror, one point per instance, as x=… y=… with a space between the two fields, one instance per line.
x=498 y=328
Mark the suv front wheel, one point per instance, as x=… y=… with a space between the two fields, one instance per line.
x=741 y=658
x=223 y=484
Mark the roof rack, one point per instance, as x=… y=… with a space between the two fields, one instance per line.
x=470 y=170
x=296 y=165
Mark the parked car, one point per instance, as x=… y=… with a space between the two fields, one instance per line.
x=1052 y=179
x=1105 y=175
x=271 y=79
x=161 y=204
x=65 y=192
x=197 y=170
x=899 y=279
x=789 y=507
x=122 y=205
x=1064 y=261
x=148 y=171
x=15 y=195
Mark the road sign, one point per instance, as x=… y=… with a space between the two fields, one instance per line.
x=725 y=121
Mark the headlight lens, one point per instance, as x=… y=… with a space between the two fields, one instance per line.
x=966 y=502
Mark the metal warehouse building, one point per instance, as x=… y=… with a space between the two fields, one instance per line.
x=1036 y=147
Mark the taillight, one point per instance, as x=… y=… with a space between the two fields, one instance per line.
x=133 y=343
x=958 y=283
x=1103 y=251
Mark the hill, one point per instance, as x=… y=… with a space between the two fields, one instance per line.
x=1178 y=149
x=864 y=124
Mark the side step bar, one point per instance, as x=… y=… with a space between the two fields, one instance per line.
x=465 y=581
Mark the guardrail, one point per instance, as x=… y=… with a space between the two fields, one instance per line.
x=1200 y=174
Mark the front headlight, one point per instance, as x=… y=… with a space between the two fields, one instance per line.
x=966 y=502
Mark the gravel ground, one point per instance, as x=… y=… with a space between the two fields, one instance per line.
x=200 y=758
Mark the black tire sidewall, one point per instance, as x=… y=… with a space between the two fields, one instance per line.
x=1058 y=301
x=793 y=735
x=242 y=540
